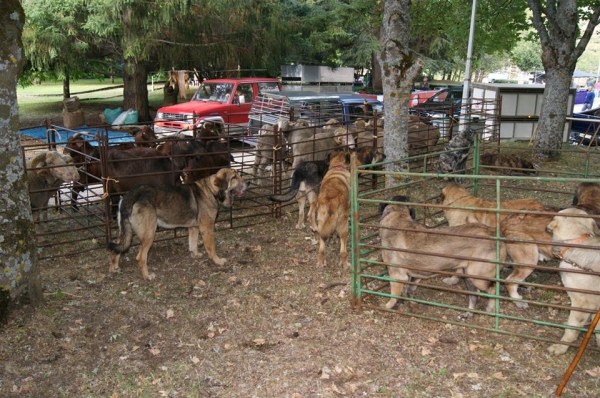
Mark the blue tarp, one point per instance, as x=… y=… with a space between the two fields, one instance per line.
x=61 y=136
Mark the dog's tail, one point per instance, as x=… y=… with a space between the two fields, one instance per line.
x=125 y=231
x=291 y=193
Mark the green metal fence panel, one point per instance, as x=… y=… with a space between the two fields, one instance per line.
x=545 y=297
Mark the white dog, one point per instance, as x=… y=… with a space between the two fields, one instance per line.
x=577 y=231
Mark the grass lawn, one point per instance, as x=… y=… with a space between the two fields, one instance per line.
x=44 y=101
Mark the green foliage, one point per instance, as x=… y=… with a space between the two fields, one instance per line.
x=440 y=32
x=527 y=55
x=53 y=40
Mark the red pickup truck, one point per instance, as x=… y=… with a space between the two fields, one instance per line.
x=219 y=100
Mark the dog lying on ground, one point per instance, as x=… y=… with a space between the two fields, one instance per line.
x=577 y=231
x=587 y=198
x=402 y=235
x=306 y=181
x=510 y=163
x=333 y=205
x=194 y=206
x=516 y=226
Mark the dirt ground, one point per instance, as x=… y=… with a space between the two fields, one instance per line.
x=269 y=323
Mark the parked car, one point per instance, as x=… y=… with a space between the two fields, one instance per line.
x=219 y=100
x=318 y=108
x=420 y=96
x=444 y=102
x=586 y=129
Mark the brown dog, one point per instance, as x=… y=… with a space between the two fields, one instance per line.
x=404 y=236
x=456 y=196
x=587 y=197
x=334 y=205
x=508 y=163
x=192 y=206
x=577 y=231
x=515 y=227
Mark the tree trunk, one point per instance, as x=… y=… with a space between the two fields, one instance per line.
x=135 y=88
x=135 y=75
x=559 y=26
x=376 y=81
x=66 y=85
x=19 y=275
x=549 y=134
x=398 y=70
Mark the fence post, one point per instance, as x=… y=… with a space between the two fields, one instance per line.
x=277 y=171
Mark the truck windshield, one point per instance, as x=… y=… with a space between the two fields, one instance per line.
x=220 y=92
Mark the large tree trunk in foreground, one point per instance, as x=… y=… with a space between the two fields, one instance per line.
x=398 y=70
x=19 y=273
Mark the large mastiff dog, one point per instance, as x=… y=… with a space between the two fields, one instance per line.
x=516 y=227
x=413 y=251
x=566 y=228
x=333 y=205
x=192 y=206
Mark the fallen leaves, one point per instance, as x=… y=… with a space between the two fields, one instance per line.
x=154 y=351
x=595 y=372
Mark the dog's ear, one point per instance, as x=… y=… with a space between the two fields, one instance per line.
x=400 y=198
x=413 y=214
x=221 y=182
x=381 y=208
x=397 y=198
x=330 y=156
x=575 y=199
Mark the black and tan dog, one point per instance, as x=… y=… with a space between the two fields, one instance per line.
x=413 y=251
x=334 y=205
x=306 y=181
x=192 y=206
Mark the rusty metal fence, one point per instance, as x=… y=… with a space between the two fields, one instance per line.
x=542 y=311
x=80 y=214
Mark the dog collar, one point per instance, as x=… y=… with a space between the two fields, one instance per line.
x=576 y=241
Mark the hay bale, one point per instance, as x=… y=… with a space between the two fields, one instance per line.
x=73 y=119
x=71 y=104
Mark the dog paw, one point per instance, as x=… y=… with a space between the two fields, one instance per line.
x=521 y=305
x=453 y=280
x=219 y=261
x=558 y=349
x=465 y=316
x=151 y=276
x=195 y=254
x=391 y=304
x=299 y=226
